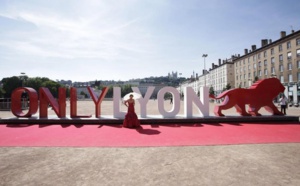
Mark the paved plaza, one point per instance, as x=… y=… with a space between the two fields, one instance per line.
x=255 y=164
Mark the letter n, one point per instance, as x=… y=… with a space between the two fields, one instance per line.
x=46 y=98
x=191 y=97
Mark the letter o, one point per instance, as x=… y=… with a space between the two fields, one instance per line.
x=16 y=103
x=176 y=102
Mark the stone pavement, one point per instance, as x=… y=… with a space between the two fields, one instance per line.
x=258 y=164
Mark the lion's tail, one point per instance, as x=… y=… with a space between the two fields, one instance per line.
x=223 y=94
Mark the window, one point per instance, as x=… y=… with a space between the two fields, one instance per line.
x=259 y=73
x=254 y=58
x=254 y=66
x=298 y=76
x=290 y=78
x=280 y=48
x=249 y=67
x=298 y=52
x=272 y=51
x=259 y=64
x=265 y=62
x=265 y=53
x=298 y=62
x=272 y=60
x=281 y=68
x=254 y=74
x=289 y=55
x=266 y=71
x=288 y=45
x=258 y=56
x=298 y=41
x=273 y=70
x=281 y=79
x=290 y=66
x=280 y=57
x=249 y=75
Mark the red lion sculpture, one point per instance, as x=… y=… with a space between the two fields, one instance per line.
x=260 y=94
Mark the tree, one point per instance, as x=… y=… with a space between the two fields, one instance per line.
x=10 y=84
x=125 y=90
x=109 y=93
x=228 y=87
x=211 y=91
x=84 y=94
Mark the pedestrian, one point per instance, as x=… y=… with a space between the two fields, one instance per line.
x=171 y=100
x=283 y=103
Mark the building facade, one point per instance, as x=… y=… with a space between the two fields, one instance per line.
x=280 y=59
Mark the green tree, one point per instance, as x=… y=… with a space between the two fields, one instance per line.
x=84 y=94
x=2 y=92
x=228 y=87
x=211 y=91
x=125 y=90
x=10 y=84
x=52 y=86
x=109 y=93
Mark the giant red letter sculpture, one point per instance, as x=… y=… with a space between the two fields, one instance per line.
x=16 y=103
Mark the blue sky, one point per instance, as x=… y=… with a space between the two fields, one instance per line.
x=123 y=39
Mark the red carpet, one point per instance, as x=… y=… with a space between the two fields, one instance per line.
x=148 y=135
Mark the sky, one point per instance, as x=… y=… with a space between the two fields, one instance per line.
x=128 y=39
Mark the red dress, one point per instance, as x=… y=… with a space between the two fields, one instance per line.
x=131 y=119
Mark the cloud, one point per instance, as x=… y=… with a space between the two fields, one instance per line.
x=102 y=35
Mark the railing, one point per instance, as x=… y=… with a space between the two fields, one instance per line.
x=5 y=103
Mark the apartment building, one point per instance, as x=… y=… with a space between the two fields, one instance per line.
x=279 y=59
x=216 y=77
x=221 y=75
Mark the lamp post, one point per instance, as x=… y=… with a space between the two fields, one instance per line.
x=22 y=76
x=180 y=84
x=204 y=56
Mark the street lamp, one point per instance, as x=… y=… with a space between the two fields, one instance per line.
x=204 y=56
x=22 y=77
x=180 y=84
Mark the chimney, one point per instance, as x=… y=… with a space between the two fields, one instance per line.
x=246 y=51
x=282 y=34
x=219 y=61
x=213 y=65
x=264 y=42
x=270 y=41
x=253 y=47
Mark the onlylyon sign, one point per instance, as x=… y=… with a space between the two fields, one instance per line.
x=45 y=99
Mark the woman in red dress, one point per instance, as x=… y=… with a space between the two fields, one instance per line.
x=131 y=119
